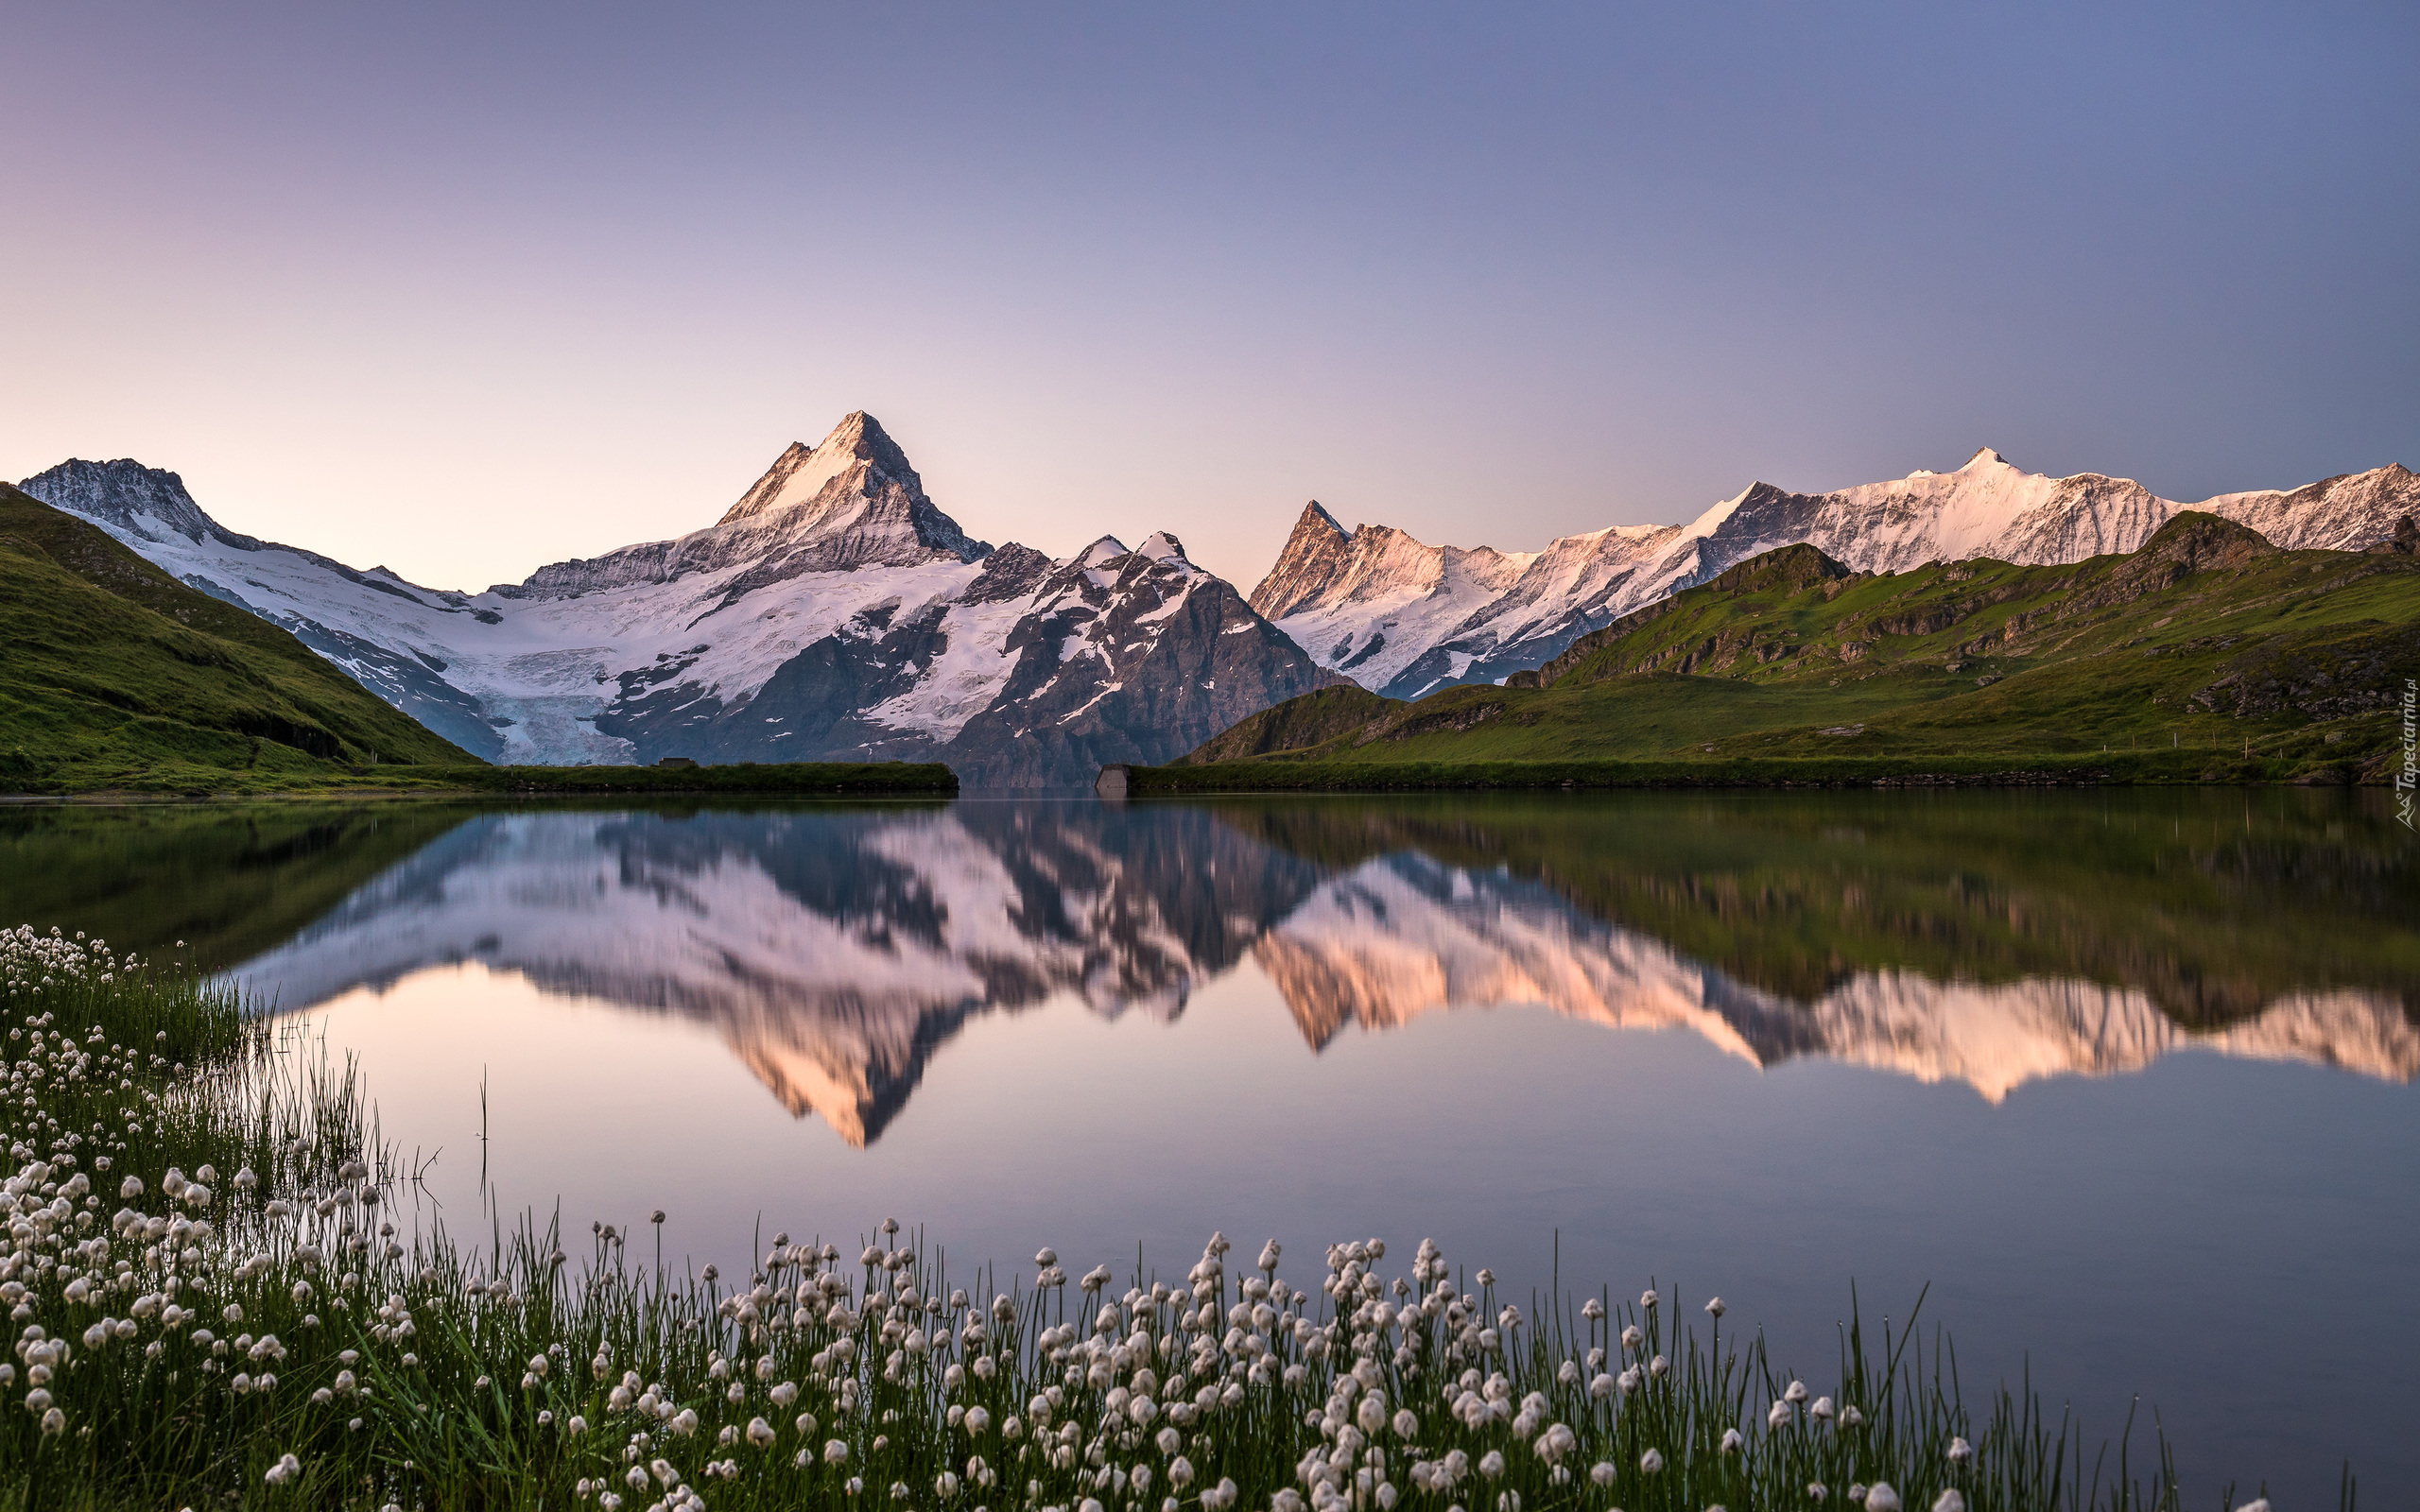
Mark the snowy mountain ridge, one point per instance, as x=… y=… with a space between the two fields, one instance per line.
x=1380 y=607
x=833 y=613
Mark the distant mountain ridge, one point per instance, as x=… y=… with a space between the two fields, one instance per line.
x=833 y=612
x=2206 y=638
x=1403 y=618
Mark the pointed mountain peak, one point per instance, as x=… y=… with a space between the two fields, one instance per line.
x=1164 y=546
x=801 y=473
x=1315 y=516
x=1315 y=558
x=861 y=436
x=125 y=495
x=1107 y=549
x=1983 y=458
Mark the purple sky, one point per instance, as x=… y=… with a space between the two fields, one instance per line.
x=462 y=290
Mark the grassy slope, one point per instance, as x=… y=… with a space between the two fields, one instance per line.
x=118 y=676
x=2207 y=653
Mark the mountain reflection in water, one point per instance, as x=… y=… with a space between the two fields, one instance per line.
x=1991 y=940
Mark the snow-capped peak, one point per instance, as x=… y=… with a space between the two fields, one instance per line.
x=799 y=476
x=1708 y=523
x=147 y=502
x=1321 y=593
x=1164 y=546
x=1107 y=549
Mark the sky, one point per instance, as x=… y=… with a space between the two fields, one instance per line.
x=465 y=289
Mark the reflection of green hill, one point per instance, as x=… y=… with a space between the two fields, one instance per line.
x=2211 y=904
x=229 y=882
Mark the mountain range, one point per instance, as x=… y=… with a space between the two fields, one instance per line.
x=2207 y=654
x=833 y=613
x=1404 y=619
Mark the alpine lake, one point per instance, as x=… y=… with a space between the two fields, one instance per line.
x=2120 y=1082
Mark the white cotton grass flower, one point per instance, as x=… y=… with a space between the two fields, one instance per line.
x=1717 y=1308
x=286 y=1469
x=760 y=1433
x=1731 y=1442
x=2258 y=1503
x=1651 y=1463
x=1952 y=1500
x=1880 y=1497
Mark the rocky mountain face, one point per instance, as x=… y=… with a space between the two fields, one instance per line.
x=1396 y=616
x=833 y=612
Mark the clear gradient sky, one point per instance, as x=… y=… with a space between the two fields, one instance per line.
x=463 y=289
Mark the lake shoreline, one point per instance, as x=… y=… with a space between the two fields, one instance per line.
x=746 y=778
x=2098 y=769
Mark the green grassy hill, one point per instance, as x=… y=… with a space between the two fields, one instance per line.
x=2207 y=653
x=115 y=675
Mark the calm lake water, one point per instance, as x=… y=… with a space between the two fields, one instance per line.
x=2127 y=1077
